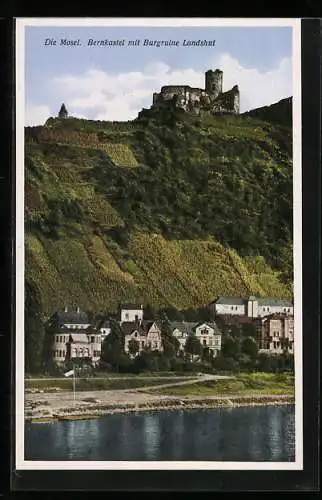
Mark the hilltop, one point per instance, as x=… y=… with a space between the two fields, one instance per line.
x=169 y=210
x=279 y=112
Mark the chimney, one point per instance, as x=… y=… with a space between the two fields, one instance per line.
x=66 y=309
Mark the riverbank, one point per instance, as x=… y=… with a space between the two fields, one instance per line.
x=85 y=409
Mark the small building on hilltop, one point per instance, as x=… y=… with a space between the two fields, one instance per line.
x=63 y=113
x=211 y=99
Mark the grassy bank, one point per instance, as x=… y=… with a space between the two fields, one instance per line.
x=95 y=384
x=243 y=384
x=109 y=375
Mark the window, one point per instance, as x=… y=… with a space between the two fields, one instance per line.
x=232 y=307
x=288 y=310
x=142 y=344
x=127 y=316
x=268 y=308
x=204 y=331
x=92 y=340
x=216 y=341
x=263 y=308
x=136 y=317
x=135 y=334
x=284 y=309
x=204 y=341
x=236 y=308
x=57 y=338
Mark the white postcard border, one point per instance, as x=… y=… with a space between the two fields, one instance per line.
x=21 y=24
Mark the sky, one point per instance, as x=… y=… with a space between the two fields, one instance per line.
x=115 y=83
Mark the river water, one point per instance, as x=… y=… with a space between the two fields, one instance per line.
x=264 y=433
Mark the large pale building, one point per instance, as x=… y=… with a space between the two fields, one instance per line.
x=71 y=337
x=277 y=334
x=253 y=307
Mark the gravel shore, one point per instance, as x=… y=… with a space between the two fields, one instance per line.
x=62 y=406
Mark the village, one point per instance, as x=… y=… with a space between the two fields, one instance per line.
x=271 y=322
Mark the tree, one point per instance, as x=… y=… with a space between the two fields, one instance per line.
x=249 y=330
x=193 y=346
x=34 y=331
x=149 y=312
x=112 y=348
x=134 y=347
x=170 y=344
x=206 y=354
x=249 y=347
x=230 y=347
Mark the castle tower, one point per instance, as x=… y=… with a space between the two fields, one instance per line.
x=236 y=99
x=63 y=113
x=213 y=82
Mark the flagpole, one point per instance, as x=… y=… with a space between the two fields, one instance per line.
x=74 y=385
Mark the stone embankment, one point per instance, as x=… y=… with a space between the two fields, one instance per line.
x=92 y=407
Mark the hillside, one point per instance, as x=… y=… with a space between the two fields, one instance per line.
x=169 y=210
x=279 y=112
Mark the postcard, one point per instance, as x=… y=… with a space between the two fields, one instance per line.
x=158 y=244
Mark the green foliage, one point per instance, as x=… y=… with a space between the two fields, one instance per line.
x=113 y=347
x=133 y=346
x=193 y=346
x=230 y=347
x=206 y=212
x=249 y=347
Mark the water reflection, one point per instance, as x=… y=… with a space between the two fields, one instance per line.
x=238 y=434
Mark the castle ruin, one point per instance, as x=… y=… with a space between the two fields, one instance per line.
x=211 y=99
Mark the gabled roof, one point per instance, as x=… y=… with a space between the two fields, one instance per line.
x=131 y=307
x=105 y=323
x=87 y=331
x=184 y=326
x=128 y=327
x=232 y=301
x=73 y=317
x=280 y=316
x=211 y=324
x=274 y=302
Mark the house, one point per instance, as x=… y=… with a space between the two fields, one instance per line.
x=146 y=333
x=181 y=330
x=71 y=319
x=253 y=307
x=277 y=334
x=207 y=333
x=131 y=312
x=104 y=329
x=209 y=336
x=72 y=337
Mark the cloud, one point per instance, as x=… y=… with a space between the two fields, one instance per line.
x=100 y=95
x=257 y=88
x=36 y=114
